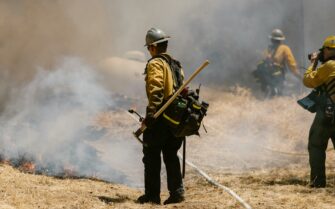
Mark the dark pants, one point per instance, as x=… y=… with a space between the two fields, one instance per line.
x=271 y=79
x=159 y=139
x=321 y=130
x=274 y=88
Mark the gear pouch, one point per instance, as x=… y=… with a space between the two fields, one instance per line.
x=309 y=101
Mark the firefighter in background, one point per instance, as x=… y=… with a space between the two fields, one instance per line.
x=270 y=71
x=157 y=137
x=323 y=127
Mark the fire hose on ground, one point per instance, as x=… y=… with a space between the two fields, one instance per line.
x=215 y=183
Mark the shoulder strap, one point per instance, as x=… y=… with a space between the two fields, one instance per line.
x=165 y=57
x=175 y=67
x=146 y=66
x=329 y=88
x=274 y=52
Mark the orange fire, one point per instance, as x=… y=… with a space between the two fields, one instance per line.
x=28 y=167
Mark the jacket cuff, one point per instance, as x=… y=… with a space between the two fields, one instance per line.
x=150 y=111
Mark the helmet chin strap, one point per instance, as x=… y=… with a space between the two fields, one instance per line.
x=331 y=58
x=274 y=45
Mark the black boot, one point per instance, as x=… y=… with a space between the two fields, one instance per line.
x=174 y=199
x=148 y=199
x=318 y=182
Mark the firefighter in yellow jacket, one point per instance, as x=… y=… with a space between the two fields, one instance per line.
x=157 y=137
x=271 y=70
x=323 y=127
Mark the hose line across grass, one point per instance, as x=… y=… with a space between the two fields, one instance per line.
x=215 y=183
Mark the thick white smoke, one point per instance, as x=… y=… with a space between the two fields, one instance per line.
x=51 y=121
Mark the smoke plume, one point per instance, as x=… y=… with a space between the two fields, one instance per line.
x=48 y=100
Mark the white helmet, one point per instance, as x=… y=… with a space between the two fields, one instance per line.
x=277 y=34
x=155 y=36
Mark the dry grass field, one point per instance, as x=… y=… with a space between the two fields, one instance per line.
x=258 y=148
x=275 y=188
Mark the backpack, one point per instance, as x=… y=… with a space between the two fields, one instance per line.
x=267 y=72
x=185 y=114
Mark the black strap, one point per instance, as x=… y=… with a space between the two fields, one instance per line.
x=168 y=59
x=154 y=57
x=184 y=157
x=274 y=52
x=331 y=86
x=275 y=49
x=177 y=79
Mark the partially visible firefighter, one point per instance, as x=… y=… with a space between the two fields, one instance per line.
x=321 y=101
x=157 y=138
x=270 y=72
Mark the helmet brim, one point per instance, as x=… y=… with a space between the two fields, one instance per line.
x=277 y=38
x=323 y=47
x=159 y=41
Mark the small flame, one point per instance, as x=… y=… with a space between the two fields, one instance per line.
x=28 y=167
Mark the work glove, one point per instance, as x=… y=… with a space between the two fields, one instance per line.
x=149 y=120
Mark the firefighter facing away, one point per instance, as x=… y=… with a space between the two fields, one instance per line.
x=323 y=127
x=271 y=70
x=157 y=137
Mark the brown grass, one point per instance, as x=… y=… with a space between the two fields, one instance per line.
x=276 y=188
x=255 y=147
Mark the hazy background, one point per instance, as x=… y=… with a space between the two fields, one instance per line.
x=64 y=61
x=231 y=34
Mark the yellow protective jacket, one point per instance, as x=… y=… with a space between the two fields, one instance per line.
x=159 y=83
x=282 y=56
x=323 y=75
